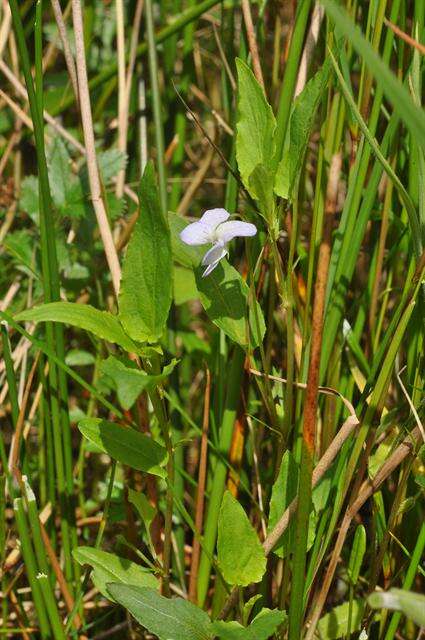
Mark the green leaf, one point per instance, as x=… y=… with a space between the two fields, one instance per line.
x=255 y=129
x=321 y=491
x=261 y=181
x=28 y=201
x=144 y=508
x=60 y=174
x=224 y=296
x=130 y=381
x=299 y=131
x=380 y=455
x=240 y=554
x=103 y=324
x=248 y=606
x=115 y=206
x=126 y=445
x=79 y=358
x=420 y=480
x=146 y=285
x=20 y=245
x=109 y=567
x=357 y=554
x=334 y=624
x=164 y=617
x=412 y=116
x=186 y=255
x=283 y=492
x=192 y=342
x=262 y=627
x=184 y=285
x=110 y=163
x=410 y=603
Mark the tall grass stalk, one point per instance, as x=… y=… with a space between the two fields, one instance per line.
x=54 y=334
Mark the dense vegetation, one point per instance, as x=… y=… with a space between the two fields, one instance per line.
x=227 y=444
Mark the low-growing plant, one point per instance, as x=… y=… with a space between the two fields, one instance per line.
x=212 y=232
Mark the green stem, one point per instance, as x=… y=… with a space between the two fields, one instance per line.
x=31 y=567
x=156 y=105
x=97 y=544
x=291 y=71
x=40 y=552
x=50 y=273
x=161 y=415
x=296 y=611
x=408 y=581
x=10 y=373
x=180 y=122
x=220 y=472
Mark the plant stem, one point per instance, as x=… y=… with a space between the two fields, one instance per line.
x=50 y=273
x=31 y=567
x=408 y=580
x=220 y=472
x=92 y=168
x=165 y=424
x=10 y=373
x=310 y=408
x=40 y=553
x=156 y=105
x=291 y=71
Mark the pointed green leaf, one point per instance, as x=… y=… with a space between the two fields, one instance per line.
x=125 y=445
x=109 y=567
x=103 y=324
x=255 y=127
x=146 y=285
x=301 y=123
x=224 y=296
x=283 y=492
x=60 y=175
x=28 y=201
x=261 y=181
x=184 y=285
x=240 y=554
x=248 y=606
x=144 y=508
x=262 y=627
x=130 y=381
x=357 y=554
x=164 y=617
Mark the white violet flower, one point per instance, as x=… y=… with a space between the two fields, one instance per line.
x=213 y=228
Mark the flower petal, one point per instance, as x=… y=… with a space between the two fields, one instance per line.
x=210 y=268
x=197 y=233
x=214 y=217
x=229 y=230
x=203 y=230
x=215 y=254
